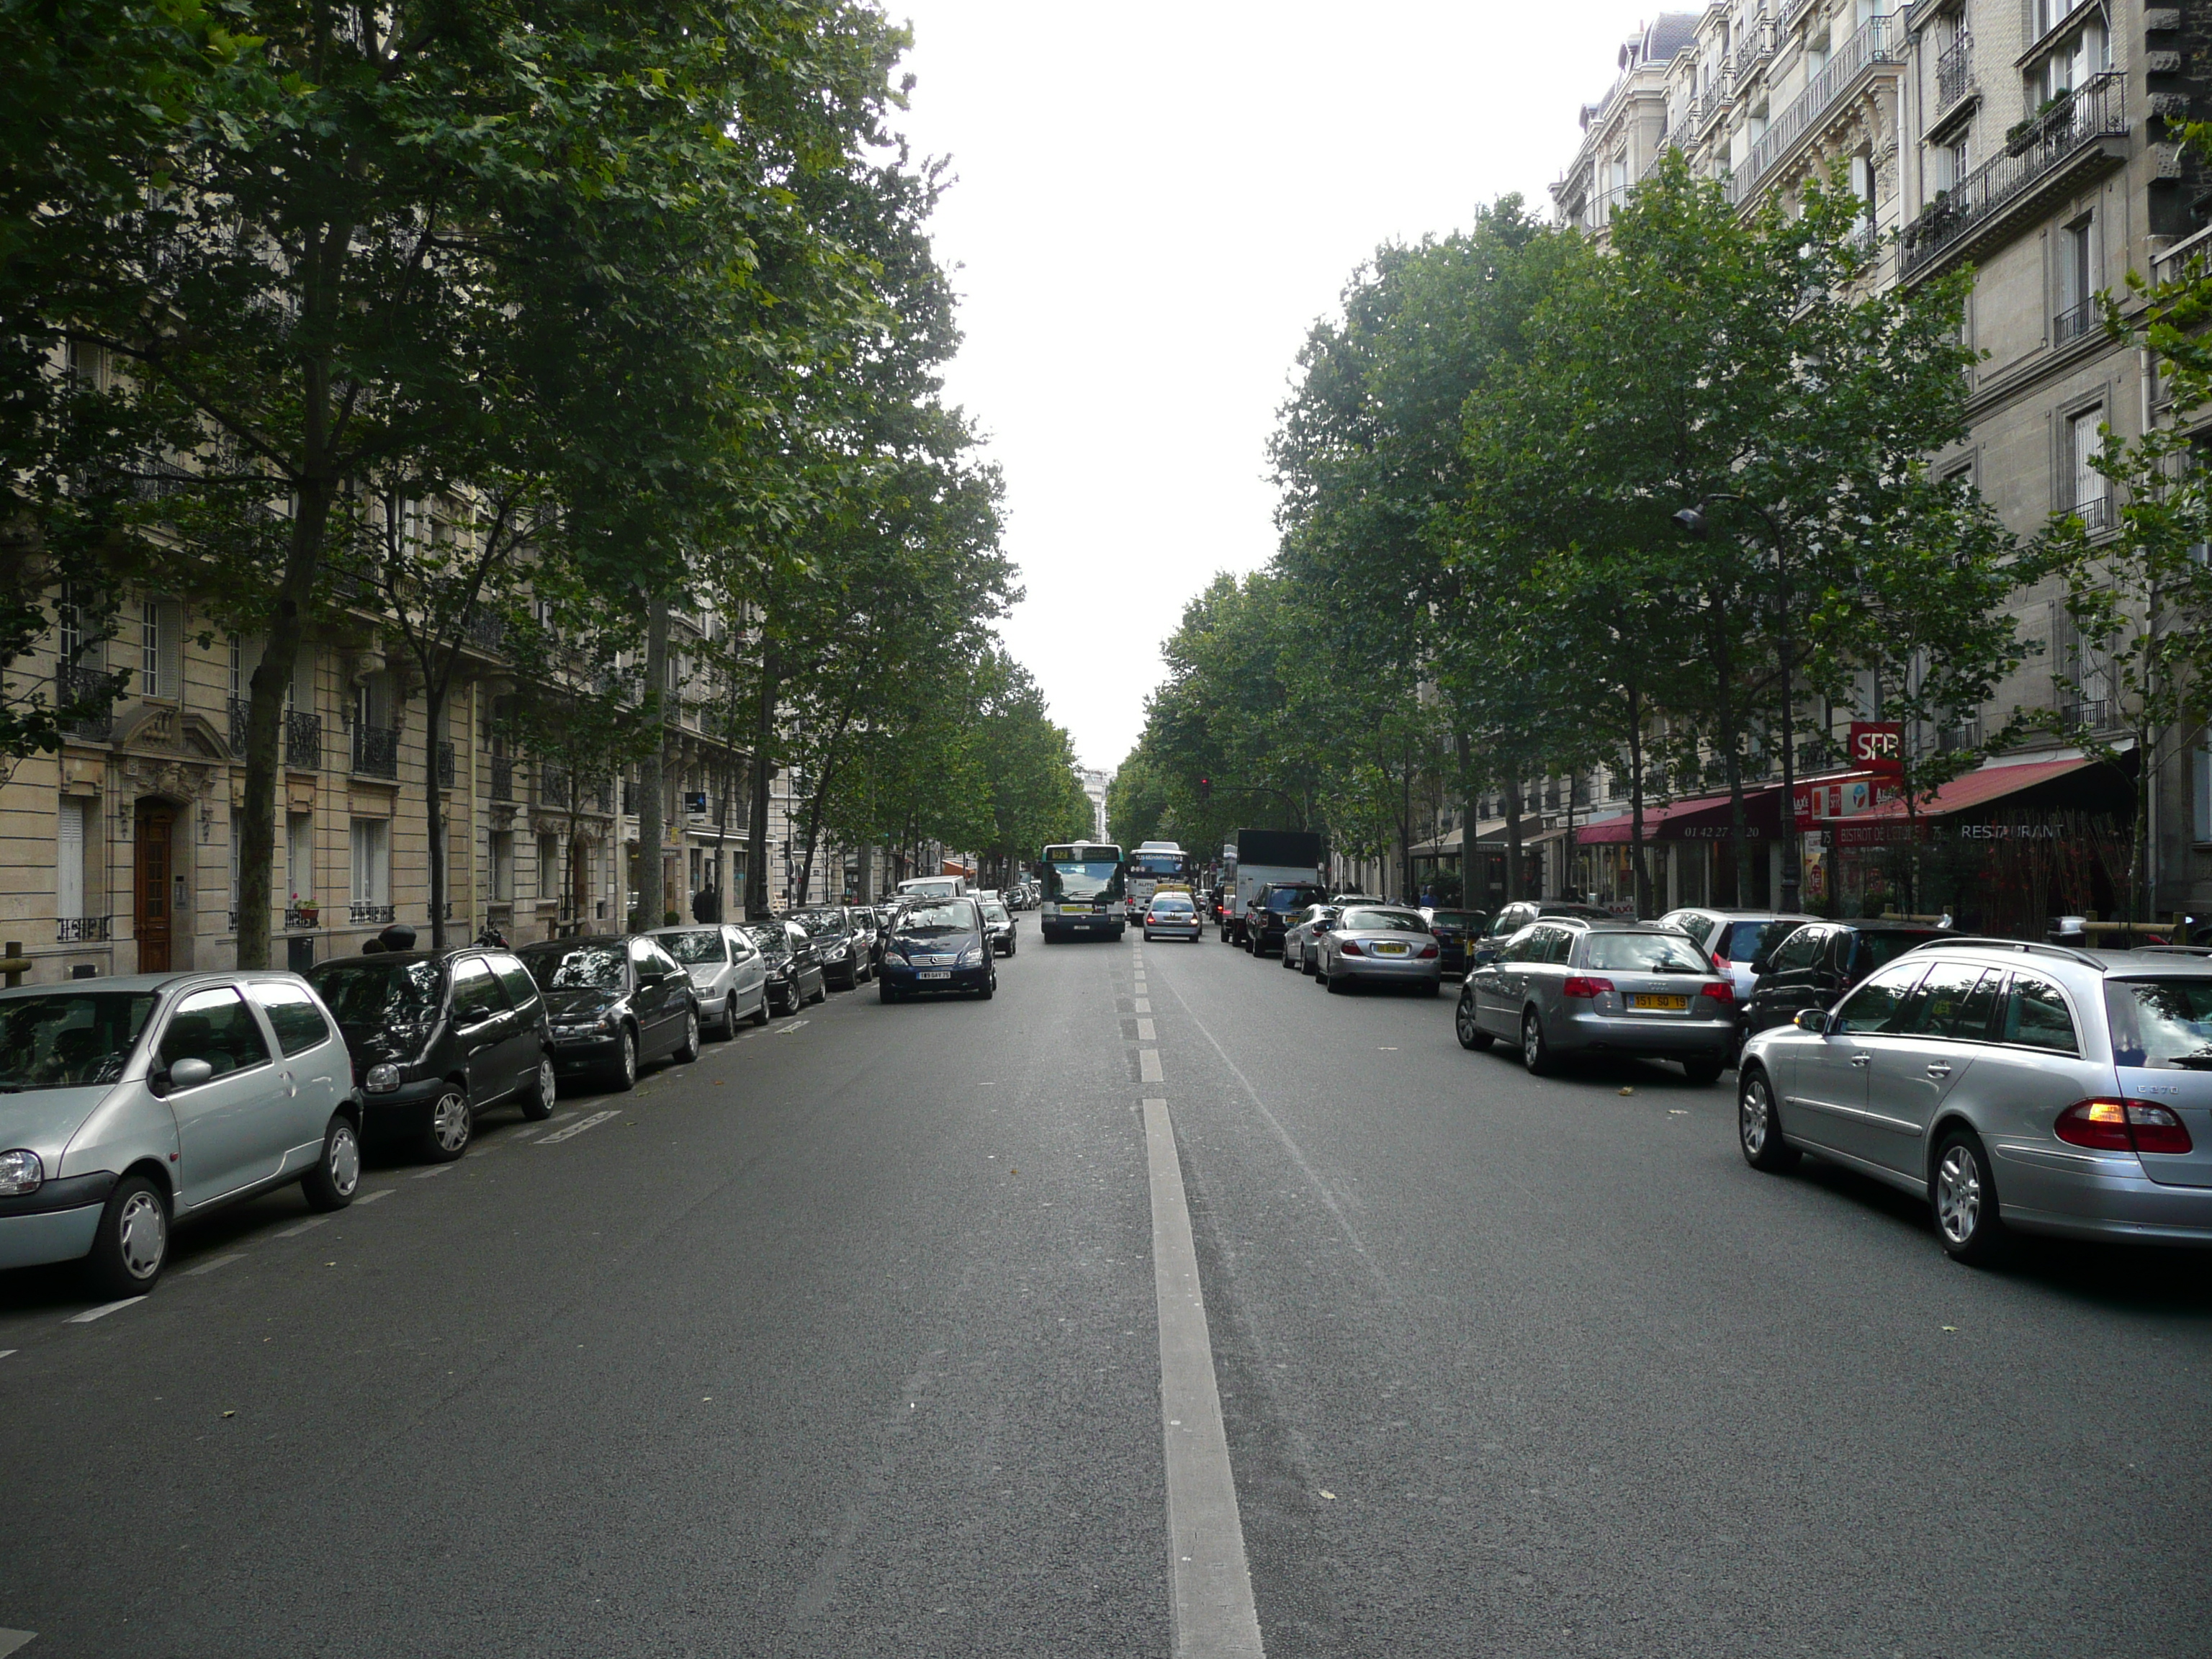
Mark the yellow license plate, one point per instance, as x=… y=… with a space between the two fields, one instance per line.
x=1389 y=949
x=1672 y=1005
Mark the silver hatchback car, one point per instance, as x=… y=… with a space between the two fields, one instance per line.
x=729 y=976
x=128 y=1104
x=1571 y=985
x=2034 y=1087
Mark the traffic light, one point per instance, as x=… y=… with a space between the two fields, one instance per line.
x=1206 y=788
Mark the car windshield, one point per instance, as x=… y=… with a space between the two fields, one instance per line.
x=769 y=936
x=821 y=924
x=1645 y=953
x=697 y=945
x=1164 y=902
x=994 y=911
x=1385 y=921
x=69 y=1040
x=1746 y=940
x=1084 y=880
x=1286 y=900
x=930 y=888
x=2163 y=1024
x=574 y=967
x=1880 y=949
x=372 y=991
x=1461 y=919
x=944 y=916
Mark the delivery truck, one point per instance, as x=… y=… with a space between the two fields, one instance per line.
x=1265 y=856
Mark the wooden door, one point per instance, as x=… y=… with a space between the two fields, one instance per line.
x=157 y=820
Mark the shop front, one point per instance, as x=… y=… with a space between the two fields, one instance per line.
x=1689 y=848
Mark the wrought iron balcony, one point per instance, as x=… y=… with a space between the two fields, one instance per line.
x=1954 y=71
x=1877 y=41
x=444 y=765
x=361 y=915
x=91 y=692
x=502 y=777
x=240 y=712
x=1952 y=739
x=2073 y=322
x=299 y=917
x=2090 y=715
x=376 y=750
x=486 y=630
x=552 y=787
x=2095 y=513
x=81 y=930
x=303 y=741
x=2037 y=152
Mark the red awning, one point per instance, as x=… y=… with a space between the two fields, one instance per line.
x=1976 y=788
x=1705 y=817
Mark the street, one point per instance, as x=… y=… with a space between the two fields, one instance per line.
x=844 y=1340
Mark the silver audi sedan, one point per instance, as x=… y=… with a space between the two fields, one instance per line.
x=2030 y=1087
x=1379 y=944
x=1571 y=985
x=127 y=1105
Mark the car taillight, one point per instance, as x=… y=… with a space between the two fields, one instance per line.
x=1351 y=948
x=1579 y=985
x=1428 y=951
x=1720 y=991
x=1720 y=962
x=2123 y=1126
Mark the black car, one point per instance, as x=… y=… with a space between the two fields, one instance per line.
x=1274 y=909
x=939 y=944
x=1455 y=931
x=435 y=1037
x=1484 y=950
x=842 y=940
x=795 y=975
x=617 y=1002
x=1813 y=966
x=1000 y=921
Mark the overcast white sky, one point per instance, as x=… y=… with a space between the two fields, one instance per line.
x=1153 y=204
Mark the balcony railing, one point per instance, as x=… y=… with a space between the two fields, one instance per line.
x=2095 y=513
x=376 y=750
x=362 y=915
x=241 y=711
x=552 y=787
x=1877 y=40
x=487 y=631
x=444 y=765
x=502 y=777
x=303 y=741
x=92 y=692
x=2090 y=715
x=2095 y=111
x=81 y=930
x=1757 y=42
x=299 y=917
x=1954 y=69
x=1952 y=739
x=2073 y=322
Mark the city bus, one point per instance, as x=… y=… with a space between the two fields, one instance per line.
x=1152 y=863
x=1085 y=891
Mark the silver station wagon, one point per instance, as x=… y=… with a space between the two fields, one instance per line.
x=2029 y=1086
x=129 y=1104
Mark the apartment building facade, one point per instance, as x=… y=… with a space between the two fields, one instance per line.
x=2037 y=141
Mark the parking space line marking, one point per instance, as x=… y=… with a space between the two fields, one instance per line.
x=578 y=1128
x=101 y=1312
x=1144 y=1004
x=210 y=1265
x=788 y=1027
x=371 y=1198
x=306 y=1226
x=1215 y=1614
x=4 y=1353
x=1144 y=1032
x=12 y=1639
x=1148 y=1065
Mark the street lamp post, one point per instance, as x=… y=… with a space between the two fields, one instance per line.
x=1691 y=520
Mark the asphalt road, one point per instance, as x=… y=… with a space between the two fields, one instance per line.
x=844 y=1341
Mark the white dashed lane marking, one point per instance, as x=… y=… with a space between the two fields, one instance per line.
x=1144 y=1032
x=578 y=1128
x=100 y=1312
x=306 y=1226
x=1148 y=1065
x=210 y=1265
x=371 y=1198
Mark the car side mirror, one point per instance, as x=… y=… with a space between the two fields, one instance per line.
x=1760 y=963
x=188 y=1074
x=1814 y=1020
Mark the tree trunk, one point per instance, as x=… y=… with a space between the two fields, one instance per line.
x=652 y=779
x=434 y=809
x=1638 y=863
x=1513 y=837
x=1465 y=750
x=757 y=906
x=864 y=882
x=264 y=719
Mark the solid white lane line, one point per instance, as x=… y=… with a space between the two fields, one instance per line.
x=371 y=1198
x=306 y=1226
x=91 y=1313
x=578 y=1128
x=1148 y=1065
x=1215 y=1614
x=1144 y=1032
x=209 y=1265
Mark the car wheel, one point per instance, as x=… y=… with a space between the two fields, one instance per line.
x=781 y=1000
x=1470 y=1035
x=1148 y=936
x=131 y=1246
x=450 y=1127
x=1336 y=983
x=687 y=1050
x=760 y=1014
x=1704 y=1074
x=1306 y=963
x=1010 y=947
x=1963 y=1194
x=336 y=1175
x=1535 y=1052
x=989 y=988
x=729 y=1017
x=1758 y=1126
x=622 y=1077
x=884 y=992
x=822 y=988
x=538 y=1098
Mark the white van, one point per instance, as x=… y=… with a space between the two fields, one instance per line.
x=934 y=887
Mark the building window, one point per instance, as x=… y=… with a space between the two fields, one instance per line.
x=2077 y=281
x=1949 y=163
x=161 y=647
x=549 y=867
x=237 y=644
x=298 y=855
x=75 y=836
x=372 y=861
x=2086 y=494
x=503 y=866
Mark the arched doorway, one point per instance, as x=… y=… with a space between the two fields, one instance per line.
x=154 y=883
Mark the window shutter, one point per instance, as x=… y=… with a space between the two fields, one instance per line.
x=69 y=872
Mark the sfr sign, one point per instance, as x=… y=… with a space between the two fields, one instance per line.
x=1878 y=746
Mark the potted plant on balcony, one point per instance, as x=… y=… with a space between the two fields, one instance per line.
x=2053 y=117
x=308 y=911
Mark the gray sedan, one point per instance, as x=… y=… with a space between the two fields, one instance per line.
x=1570 y=985
x=2013 y=1086
x=127 y=1104
x=1379 y=946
